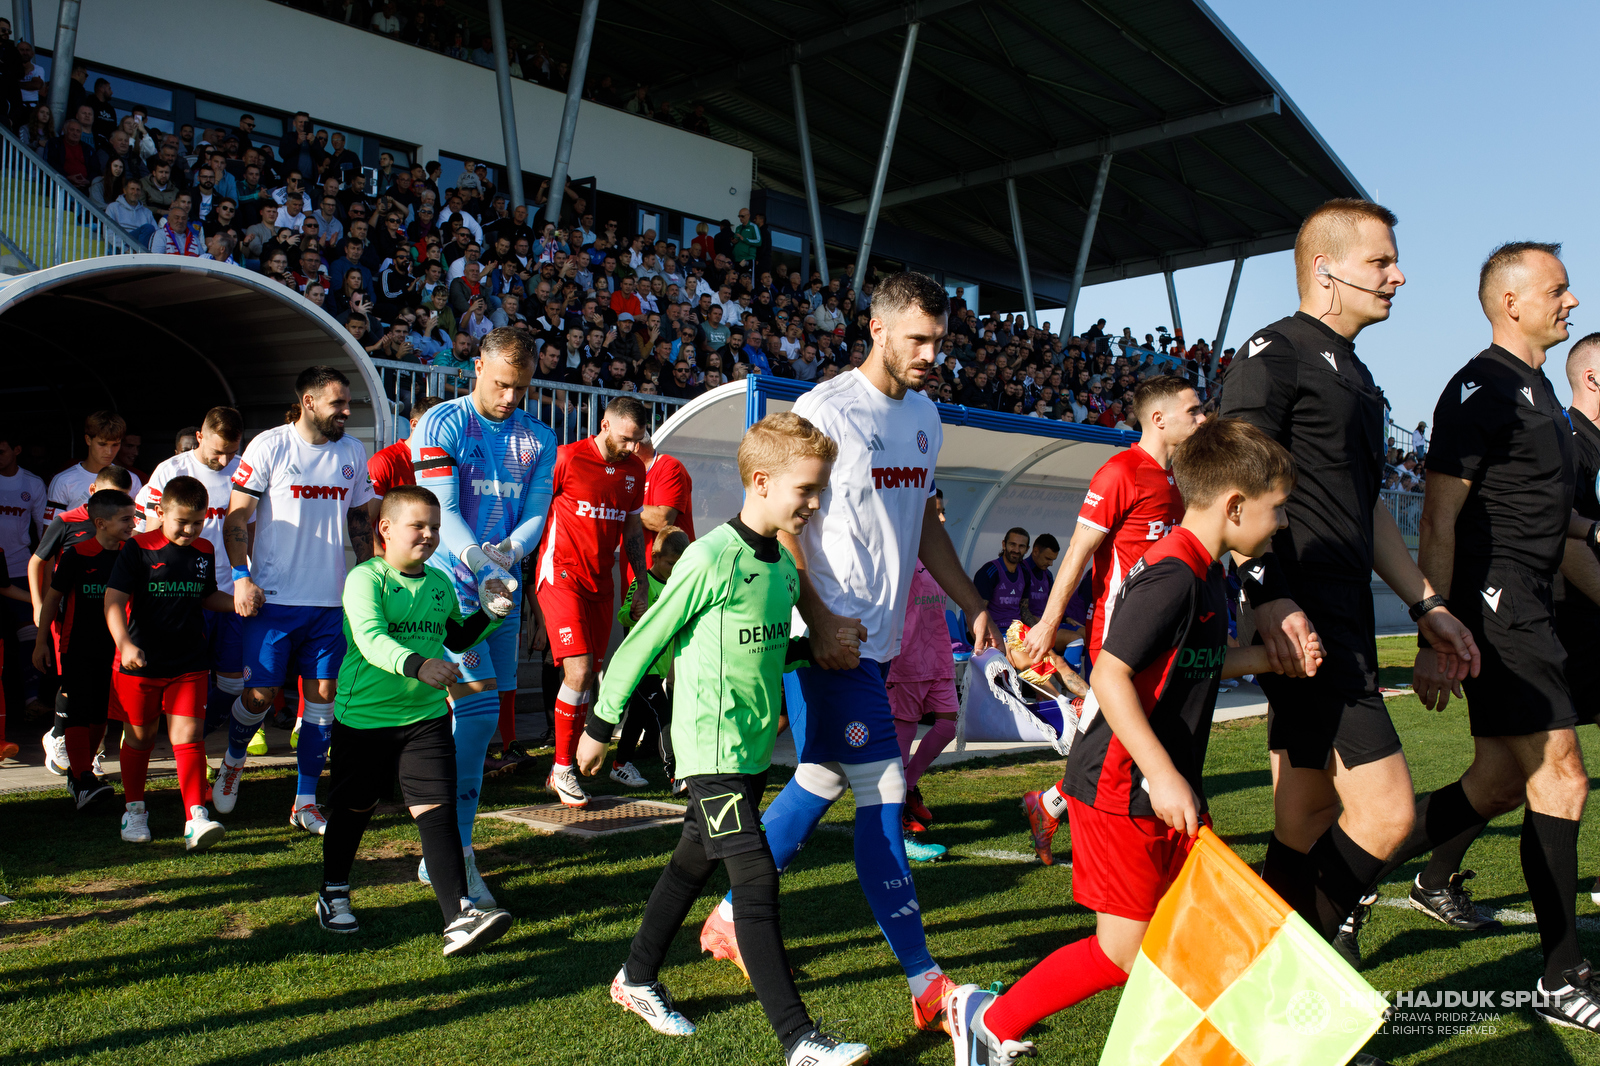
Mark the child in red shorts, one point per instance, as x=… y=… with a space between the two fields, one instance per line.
x=1134 y=792
x=159 y=589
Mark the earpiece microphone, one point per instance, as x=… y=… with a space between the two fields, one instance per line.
x=1376 y=292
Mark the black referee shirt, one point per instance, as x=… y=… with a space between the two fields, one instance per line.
x=1499 y=425
x=1586 y=458
x=1301 y=384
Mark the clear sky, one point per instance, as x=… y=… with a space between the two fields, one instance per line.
x=1467 y=119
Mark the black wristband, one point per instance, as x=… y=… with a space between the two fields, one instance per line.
x=1263 y=581
x=597 y=728
x=1422 y=607
x=412 y=664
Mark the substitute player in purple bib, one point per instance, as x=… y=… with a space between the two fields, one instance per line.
x=305 y=483
x=879 y=515
x=492 y=465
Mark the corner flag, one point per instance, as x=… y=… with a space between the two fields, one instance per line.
x=1230 y=975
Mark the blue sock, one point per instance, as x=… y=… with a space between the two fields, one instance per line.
x=790 y=820
x=881 y=862
x=242 y=728
x=311 y=753
x=477 y=715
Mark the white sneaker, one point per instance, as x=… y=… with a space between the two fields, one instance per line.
x=473 y=930
x=100 y=761
x=200 y=832
x=563 y=781
x=974 y=1044
x=422 y=873
x=55 y=755
x=310 y=818
x=652 y=1002
x=817 y=1048
x=136 y=823
x=333 y=910
x=626 y=774
x=225 y=793
x=477 y=891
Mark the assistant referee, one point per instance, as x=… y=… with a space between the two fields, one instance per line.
x=1342 y=793
x=1498 y=514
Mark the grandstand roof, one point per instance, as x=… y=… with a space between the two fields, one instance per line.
x=1211 y=158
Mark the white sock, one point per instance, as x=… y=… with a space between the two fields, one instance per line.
x=725 y=910
x=1055 y=804
x=302 y=800
x=229 y=762
x=919 y=983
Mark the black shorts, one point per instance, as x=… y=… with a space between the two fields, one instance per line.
x=85 y=696
x=1521 y=687
x=1339 y=709
x=725 y=813
x=366 y=764
x=1578 y=626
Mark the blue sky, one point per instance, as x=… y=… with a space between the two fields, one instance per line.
x=1471 y=120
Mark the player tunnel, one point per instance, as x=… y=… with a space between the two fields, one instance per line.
x=997 y=470
x=161 y=339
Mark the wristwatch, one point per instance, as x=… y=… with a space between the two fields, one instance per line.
x=1422 y=607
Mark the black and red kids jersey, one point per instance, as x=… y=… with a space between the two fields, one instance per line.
x=165 y=585
x=83 y=643
x=1171 y=627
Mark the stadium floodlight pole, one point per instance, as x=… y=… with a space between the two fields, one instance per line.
x=803 y=131
x=884 y=153
x=22 y=15
x=508 y=115
x=569 y=113
x=61 y=60
x=1022 y=253
x=1172 y=302
x=1069 y=323
x=1227 y=306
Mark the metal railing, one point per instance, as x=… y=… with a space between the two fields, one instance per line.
x=44 y=220
x=573 y=411
x=1401 y=435
x=1407 y=510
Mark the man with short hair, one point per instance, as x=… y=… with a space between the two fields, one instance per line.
x=1342 y=793
x=1003 y=582
x=305 y=483
x=127 y=212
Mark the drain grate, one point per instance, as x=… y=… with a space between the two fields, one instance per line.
x=604 y=815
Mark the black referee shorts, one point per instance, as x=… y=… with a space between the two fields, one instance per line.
x=366 y=764
x=1521 y=687
x=1578 y=626
x=725 y=813
x=1338 y=709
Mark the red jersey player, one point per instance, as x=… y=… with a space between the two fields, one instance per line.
x=1132 y=502
x=160 y=586
x=668 y=499
x=599 y=492
x=391 y=466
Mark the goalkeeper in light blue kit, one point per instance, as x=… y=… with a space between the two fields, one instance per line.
x=491 y=465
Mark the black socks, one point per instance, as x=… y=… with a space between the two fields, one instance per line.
x=441 y=850
x=669 y=905
x=755 y=922
x=1343 y=872
x=340 y=841
x=1446 y=824
x=1550 y=867
x=1288 y=873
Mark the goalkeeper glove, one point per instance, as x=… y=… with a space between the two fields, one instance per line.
x=485 y=568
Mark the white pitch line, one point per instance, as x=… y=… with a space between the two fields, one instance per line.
x=1003 y=856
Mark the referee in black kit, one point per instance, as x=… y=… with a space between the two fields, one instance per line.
x=1342 y=793
x=1495 y=525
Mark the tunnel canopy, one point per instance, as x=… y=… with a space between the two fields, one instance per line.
x=997 y=470
x=161 y=339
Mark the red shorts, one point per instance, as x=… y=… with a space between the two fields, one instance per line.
x=910 y=700
x=576 y=624
x=1123 y=864
x=143 y=700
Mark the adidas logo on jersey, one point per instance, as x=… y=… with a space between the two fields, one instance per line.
x=494 y=487
x=599 y=512
x=875 y=443
x=318 y=492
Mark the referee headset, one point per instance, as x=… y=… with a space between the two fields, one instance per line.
x=1322 y=272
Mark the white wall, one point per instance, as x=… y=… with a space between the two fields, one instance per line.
x=345 y=76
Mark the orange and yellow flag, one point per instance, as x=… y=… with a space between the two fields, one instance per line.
x=1230 y=975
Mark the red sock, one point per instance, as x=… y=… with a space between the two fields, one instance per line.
x=571 y=712
x=191 y=759
x=1065 y=977
x=80 y=749
x=508 y=719
x=135 y=768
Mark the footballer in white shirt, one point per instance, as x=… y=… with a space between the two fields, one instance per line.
x=856 y=557
x=102 y=433
x=306 y=485
x=212 y=462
